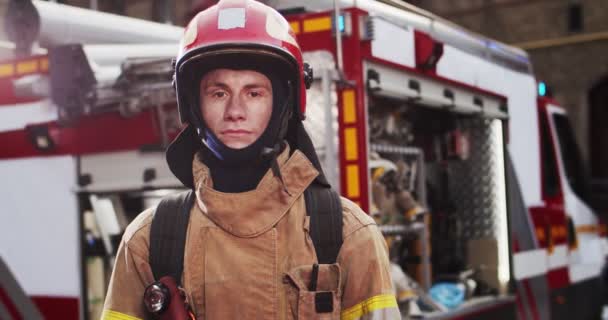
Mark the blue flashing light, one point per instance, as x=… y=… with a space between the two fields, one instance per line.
x=342 y=23
x=542 y=89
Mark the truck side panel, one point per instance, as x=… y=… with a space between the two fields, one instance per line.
x=38 y=200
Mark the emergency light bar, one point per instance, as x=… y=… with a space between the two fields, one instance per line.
x=542 y=89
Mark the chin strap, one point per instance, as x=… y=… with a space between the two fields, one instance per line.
x=273 y=153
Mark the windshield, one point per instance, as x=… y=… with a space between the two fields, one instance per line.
x=570 y=156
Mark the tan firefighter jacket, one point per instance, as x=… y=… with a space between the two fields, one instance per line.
x=249 y=256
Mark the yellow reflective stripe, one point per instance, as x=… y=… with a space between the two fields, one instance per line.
x=6 y=70
x=44 y=64
x=406 y=294
x=540 y=234
x=348 y=102
x=29 y=66
x=317 y=24
x=115 y=315
x=587 y=228
x=352 y=181
x=351 y=146
x=383 y=301
x=295 y=26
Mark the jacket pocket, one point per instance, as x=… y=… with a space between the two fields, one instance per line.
x=322 y=303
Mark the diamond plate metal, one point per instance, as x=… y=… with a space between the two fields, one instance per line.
x=474 y=183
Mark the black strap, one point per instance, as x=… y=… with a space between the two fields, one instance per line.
x=325 y=210
x=168 y=235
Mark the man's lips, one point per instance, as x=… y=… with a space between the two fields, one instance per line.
x=235 y=132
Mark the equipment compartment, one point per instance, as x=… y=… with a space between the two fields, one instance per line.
x=438 y=181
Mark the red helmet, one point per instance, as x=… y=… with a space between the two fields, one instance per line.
x=234 y=31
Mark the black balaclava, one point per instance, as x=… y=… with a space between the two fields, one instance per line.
x=239 y=170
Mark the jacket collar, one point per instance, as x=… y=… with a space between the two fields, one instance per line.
x=249 y=214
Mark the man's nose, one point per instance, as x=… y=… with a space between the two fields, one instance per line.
x=235 y=110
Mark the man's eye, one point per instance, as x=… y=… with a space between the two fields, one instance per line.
x=255 y=94
x=219 y=94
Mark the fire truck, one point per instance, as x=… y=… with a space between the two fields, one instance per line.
x=439 y=133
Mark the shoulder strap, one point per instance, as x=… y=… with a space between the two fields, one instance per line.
x=168 y=235
x=325 y=210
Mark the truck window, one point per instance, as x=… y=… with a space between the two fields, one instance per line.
x=570 y=156
x=549 y=162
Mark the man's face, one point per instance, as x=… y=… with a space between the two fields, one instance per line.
x=236 y=105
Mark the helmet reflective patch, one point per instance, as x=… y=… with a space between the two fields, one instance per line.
x=231 y=18
x=190 y=34
x=278 y=28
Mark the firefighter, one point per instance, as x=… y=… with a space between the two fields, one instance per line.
x=240 y=84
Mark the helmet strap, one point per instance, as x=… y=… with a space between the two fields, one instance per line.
x=273 y=153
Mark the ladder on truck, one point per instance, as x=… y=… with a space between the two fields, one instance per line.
x=78 y=86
